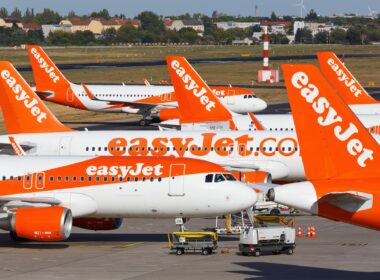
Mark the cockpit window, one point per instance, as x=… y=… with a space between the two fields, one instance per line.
x=209 y=178
x=229 y=177
x=219 y=178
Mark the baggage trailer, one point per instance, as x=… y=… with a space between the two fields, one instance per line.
x=204 y=242
x=274 y=239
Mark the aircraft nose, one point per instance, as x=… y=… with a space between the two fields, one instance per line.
x=260 y=105
x=244 y=197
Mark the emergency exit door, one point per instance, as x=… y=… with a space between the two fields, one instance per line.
x=231 y=97
x=177 y=180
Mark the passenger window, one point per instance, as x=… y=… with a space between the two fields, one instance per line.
x=51 y=178
x=219 y=178
x=209 y=178
x=151 y=179
x=105 y=178
x=159 y=179
x=74 y=178
x=82 y=179
x=67 y=178
x=136 y=179
x=59 y=179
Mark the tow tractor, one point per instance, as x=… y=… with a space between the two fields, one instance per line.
x=261 y=238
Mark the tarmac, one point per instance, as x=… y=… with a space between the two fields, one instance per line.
x=139 y=250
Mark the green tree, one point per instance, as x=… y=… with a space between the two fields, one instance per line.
x=16 y=13
x=189 y=35
x=128 y=34
x=312 y=15
x=3 y=12
x=59 y=38
x=48 y=17
x=338 y=36
x=71 y=14
x=82 y=38
x=273 y=16
x=28 y=15
x=354 y=36
x=151 y=22
x=303 y=36
x=101 y=14
x=321 y=37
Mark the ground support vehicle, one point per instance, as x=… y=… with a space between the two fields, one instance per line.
x=204 y=242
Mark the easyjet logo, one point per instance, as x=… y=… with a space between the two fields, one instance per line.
x=192 y=85
x=20 y=94
x=43 y=64
x=343 y=78
x=123 y=170
x=207 y=144
x=343 y=131
x=219 y=93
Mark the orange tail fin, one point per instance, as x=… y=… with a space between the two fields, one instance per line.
x=333 y=142
x=196 y=101
x=46 y=74
x=22 y=109
x=342 y=80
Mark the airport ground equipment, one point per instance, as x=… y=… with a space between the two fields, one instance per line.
x=204 y=242
x=262 y=238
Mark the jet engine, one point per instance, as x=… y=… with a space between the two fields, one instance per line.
x=256 y=177
x=41 y=224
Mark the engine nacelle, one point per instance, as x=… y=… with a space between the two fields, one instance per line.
x=169 y=114
x=98 y=223
x=256 y=177
x=42 y=224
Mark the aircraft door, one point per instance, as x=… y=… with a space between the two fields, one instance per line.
x=64 y=146
x=231 y=97
x=177 y=180
x=70 y=95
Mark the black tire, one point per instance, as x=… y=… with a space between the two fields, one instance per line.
x=245 y=254
x=274 y=212
x=205 y=251
x=144 y=122
x=180 y=251
x=290 y=251
x=257 y=253
x=209 y=251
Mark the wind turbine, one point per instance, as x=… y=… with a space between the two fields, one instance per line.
x=302 y=7
x=372 y=13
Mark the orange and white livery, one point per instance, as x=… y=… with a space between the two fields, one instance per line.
x=248 y=152
x=42 y=197
x=147 y=100
x=340 y=157
x=346 y=85
x=200 y=109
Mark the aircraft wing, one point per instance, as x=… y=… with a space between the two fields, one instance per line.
x=19 y=200
x=349 y=201
x=8 y=148
x=240 y=166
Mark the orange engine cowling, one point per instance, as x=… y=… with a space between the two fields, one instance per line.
x=42 y=224
x=98 y=223
x=256 y=177
x=169 y=114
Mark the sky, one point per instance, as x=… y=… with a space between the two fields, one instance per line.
x=132 y=8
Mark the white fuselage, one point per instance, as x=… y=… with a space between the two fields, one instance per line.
x=109 y=95
x=273 y=152
x=173 y=196
x=278 y=122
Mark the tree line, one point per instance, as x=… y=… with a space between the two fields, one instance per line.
x=152 y=30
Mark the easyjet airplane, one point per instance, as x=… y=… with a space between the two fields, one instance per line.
x=275 y=122
x=52 y=85
x=341 y=159
x=345 y=83
x=41 y=197
x=255 y=154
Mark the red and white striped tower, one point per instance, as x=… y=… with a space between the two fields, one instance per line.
x=266 y=49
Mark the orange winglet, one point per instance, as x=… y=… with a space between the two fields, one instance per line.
x=334 y=143
x=196 y=101
x=342 y=80
x=88 y=92
x=16 y=147
x=22 y=109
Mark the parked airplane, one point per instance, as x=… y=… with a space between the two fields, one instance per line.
x=256 y=155
x=345 y=83
x=40 y=196
x=52 y=85
x=340 y=157
x=190 y=112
